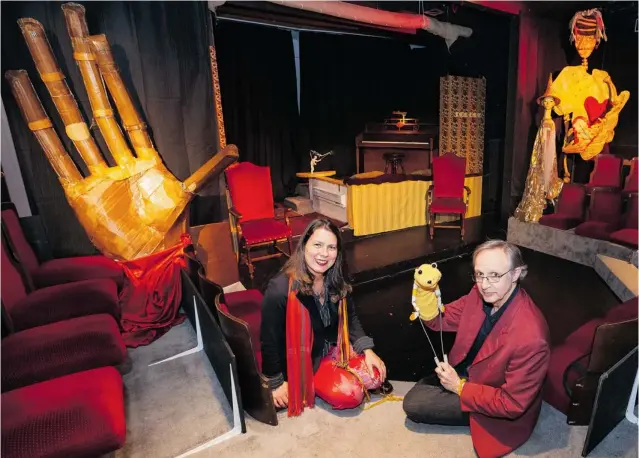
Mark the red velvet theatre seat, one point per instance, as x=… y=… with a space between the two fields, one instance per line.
x=253 y=212
x=570 y=208
x=604 y=215
x=606 y=174
x=55 y=303
x=632 y=180
x=446 y=195
x=63 y=348
x=56 y=271
x=78 y=415
x=240 y=316
x=628 y=234
x=577 y=363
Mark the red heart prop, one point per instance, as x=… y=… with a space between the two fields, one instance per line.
x=595 y=109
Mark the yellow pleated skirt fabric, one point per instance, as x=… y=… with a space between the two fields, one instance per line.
x=377 y=208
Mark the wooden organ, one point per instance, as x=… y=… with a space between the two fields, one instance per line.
x=414 y=139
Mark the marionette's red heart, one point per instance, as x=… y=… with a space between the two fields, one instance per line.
x=595 y=109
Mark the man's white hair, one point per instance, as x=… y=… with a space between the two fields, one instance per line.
x=512 y=251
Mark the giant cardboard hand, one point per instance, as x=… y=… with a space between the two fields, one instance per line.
x=137 y=207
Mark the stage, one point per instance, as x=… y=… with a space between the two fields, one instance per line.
x=368 y=258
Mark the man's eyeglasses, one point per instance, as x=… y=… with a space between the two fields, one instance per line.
x=492 y=278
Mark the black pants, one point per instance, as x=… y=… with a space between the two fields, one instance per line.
x=429 y=402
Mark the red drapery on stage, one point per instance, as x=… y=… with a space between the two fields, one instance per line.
x=151 y=296
x=540 y=53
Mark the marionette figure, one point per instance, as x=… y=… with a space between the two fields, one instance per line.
x=542 y=183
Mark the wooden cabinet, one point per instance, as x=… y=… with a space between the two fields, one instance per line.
x=418 y=146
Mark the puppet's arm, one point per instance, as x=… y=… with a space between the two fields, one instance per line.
x=441 y=307
x=415 y=314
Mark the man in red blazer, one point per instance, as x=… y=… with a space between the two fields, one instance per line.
x=499 y=360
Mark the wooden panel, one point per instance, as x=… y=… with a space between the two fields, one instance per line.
x=415 y=159
x=215 y=251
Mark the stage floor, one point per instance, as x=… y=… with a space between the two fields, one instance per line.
x=370 y=258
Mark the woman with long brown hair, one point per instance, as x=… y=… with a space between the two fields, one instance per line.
x=308 y=324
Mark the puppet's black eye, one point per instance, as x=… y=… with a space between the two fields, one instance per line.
x=419 y=272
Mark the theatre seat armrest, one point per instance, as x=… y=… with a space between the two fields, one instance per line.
x=601 y=188
x=468 y=192
x=577 y=368
x=284 y=213
x=233 y=211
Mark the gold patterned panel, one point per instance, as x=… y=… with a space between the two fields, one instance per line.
x=217 y=96
x=462 y=106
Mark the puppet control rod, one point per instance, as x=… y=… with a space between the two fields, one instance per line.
x=441 y=340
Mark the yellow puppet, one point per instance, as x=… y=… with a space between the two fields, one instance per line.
x=589 y=104
x=427 y=300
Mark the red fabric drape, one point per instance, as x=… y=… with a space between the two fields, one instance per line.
x=151 y=296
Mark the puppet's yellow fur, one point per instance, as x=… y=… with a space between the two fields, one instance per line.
x=426 y=300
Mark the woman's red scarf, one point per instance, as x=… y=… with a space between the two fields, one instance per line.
x=299 y=345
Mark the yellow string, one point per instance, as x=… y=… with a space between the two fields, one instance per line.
x=387 y=398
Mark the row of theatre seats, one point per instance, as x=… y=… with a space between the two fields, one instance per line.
x=611 y=212
x=610 y=215
x=61 y=395
x=239 y=315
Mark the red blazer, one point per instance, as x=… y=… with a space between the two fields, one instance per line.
x=503 y=391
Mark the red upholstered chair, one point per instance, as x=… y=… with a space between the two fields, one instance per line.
x=55 y=271
x=252 y=210
x=570 y=208
x=55 y=303
x=632 y=180
x=57 y=349
x=606 y=174
x=78 y=415
x=628 y=234
x=604 y=215
x=446 y=195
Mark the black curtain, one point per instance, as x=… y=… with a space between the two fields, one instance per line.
x=161 y=49
x=259 y=98
x=348 y=81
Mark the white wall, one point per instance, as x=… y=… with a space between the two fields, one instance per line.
x=11 y=168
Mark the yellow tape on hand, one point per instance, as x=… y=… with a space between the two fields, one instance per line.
x=78 y=131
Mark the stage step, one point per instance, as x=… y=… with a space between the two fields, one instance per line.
x=299 y=204
x=621 y=276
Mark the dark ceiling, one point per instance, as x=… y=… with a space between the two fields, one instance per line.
x=465 y=13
